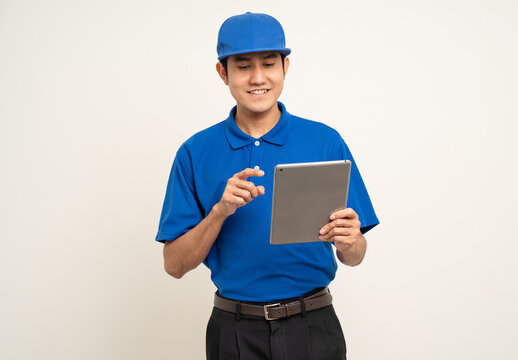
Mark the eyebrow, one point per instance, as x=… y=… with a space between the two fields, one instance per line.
x=244 y=58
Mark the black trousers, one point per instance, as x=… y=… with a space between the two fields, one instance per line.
x=315 y=336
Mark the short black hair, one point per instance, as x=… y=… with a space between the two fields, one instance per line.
x=224 y=63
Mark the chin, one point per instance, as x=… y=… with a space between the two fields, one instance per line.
x=260 y=107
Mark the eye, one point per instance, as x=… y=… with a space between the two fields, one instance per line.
x=243 y=67
x=269 y=65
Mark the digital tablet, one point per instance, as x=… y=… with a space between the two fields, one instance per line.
x=304 y=196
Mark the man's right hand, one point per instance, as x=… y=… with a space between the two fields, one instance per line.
x=239 y=192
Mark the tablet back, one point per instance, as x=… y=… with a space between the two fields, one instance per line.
x=304 y=196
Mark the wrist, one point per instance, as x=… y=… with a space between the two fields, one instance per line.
x=218 y=212
x=353 y=255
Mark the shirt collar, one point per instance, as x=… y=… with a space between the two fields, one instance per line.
x=277 y=135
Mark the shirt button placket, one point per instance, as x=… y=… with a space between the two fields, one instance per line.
x=256 y=156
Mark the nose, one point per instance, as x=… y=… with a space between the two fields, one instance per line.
x=257 y=76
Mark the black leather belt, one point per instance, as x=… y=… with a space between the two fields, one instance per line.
x=278 y=310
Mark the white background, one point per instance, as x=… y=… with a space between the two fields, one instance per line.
x=97 y=96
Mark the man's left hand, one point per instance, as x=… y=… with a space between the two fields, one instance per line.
x=344 y=230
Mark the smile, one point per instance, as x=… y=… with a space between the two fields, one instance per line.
x=259 y=91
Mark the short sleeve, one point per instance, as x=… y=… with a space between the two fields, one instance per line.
x=181 y=210
x=358 y=198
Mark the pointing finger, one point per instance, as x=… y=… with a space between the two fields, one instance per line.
x=243 y=175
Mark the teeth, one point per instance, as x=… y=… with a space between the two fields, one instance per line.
x=258 y=92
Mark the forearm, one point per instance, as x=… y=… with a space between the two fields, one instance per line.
x=354 y=254
x=189 y=250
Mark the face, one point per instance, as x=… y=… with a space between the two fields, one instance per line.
x=255 y=80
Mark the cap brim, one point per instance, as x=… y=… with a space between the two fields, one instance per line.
x=283 y=51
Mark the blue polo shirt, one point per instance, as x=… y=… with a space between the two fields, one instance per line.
x=243 y=264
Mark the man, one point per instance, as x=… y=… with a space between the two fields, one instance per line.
x=272 y=301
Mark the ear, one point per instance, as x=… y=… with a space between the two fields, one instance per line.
x=286 y=65
x=221 y=72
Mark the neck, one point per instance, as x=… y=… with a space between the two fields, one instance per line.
x=257 y=124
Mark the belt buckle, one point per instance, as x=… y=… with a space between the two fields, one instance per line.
x=266 y=311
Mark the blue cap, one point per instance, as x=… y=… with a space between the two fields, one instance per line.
x=250 y=32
